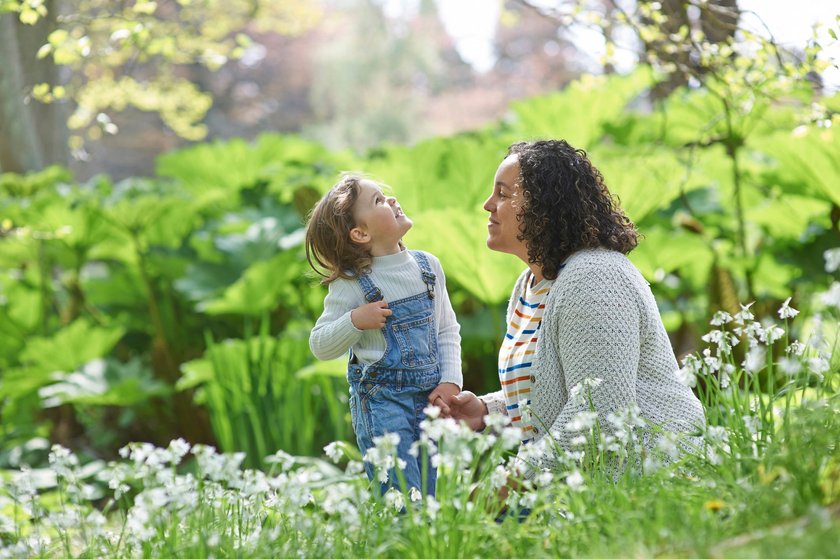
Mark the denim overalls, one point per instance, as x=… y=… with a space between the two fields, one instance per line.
x=389 y=396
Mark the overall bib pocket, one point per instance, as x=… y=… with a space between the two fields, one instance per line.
x=417 y=341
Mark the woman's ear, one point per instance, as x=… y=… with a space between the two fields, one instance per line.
x=359 y=236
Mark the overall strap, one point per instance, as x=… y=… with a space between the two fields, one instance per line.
x=371 y=292
x=428 y=276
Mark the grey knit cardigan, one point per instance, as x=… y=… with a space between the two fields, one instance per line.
x=601 y=321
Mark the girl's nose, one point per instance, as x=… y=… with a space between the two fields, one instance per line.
x=391 y=200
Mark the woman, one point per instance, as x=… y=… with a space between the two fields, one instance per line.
x=583 y=327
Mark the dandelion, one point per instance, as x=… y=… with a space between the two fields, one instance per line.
x=786 y=311
x=832 y=260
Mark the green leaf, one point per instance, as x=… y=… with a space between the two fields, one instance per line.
x=104 y=382
x=259 y=288
x=333 y=368
x=439 y=173
x=579 y=113
x=671 y=251
x=459 y=240
x=71 y=347
x=807 y=161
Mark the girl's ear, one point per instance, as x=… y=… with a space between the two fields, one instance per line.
x=359 y=236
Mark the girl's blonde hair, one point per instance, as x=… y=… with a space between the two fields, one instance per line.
x=329 y=249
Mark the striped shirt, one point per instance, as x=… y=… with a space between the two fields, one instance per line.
x=517 y=352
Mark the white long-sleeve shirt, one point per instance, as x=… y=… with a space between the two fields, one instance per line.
x=397 y=276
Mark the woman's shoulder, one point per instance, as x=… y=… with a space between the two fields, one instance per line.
x=595 y=268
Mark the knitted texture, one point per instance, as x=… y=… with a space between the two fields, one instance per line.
x=601 y=321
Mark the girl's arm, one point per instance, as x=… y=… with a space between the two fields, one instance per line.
x=448 y=330
x=334 y=333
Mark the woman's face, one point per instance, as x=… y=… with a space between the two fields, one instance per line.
x=504 y=205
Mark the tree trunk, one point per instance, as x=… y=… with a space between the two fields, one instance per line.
x=20 y=148
x=32 y=134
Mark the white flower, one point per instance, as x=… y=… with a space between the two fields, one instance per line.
x=744 y=314
x=786 y=311
x=818 y=365
x=831 y=298
x=713 y=363
x=334 y=452
x=720 y=318
x=795 y=348
x=543 y=478
x=575 y=481
x=395 y=499
x=414 y=494
x=582 y=421
x=832 y=260
x=789 y=366
x=432 y=412
x=770 y=334
x=751 y=422
x=499 y=477
x=755 y=359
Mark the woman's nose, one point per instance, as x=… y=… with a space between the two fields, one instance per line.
x=488 y=207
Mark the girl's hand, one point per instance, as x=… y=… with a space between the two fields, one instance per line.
x=440 y=395
x=371 y=316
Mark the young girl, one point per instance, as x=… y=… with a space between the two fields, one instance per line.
x=389 y=307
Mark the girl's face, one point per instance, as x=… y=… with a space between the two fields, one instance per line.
x=505 y=204
x=380 y=222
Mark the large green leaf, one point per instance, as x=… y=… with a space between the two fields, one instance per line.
x=671 y=251
x=104 y=382
x=807 y=161
x=71 y=347
x=260 y=287
x=644 y=180
x=459 y=239
x=579 y=112
x=452 y=172
x=284 y=162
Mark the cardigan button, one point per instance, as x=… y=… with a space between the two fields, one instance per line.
x=533 y=378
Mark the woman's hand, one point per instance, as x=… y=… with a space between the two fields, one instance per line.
x=467 y=407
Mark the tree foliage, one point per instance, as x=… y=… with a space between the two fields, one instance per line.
x=107 y=57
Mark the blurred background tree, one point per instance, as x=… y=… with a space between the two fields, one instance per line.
x=105 y=57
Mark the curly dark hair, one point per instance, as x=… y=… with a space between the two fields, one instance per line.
x=567 y=205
